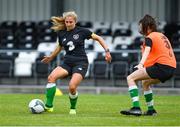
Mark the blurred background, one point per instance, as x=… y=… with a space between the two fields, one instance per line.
x=25 y=37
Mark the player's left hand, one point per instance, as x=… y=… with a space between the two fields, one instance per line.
x=108 y=57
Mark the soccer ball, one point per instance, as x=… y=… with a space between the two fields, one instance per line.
x=36 y=106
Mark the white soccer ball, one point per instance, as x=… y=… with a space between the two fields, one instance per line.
x=36 y=106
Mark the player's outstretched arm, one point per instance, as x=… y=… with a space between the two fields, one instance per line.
x=48 y=59
x=144 y=57
x=103 y=44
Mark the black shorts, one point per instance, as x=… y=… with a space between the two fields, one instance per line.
x=160 y=71
x=76 y=67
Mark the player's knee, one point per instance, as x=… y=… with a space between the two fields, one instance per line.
x=51 y=78
x=129 y=78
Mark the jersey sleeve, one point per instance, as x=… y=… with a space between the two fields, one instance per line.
x=148 y=42
x=59 y=40
x=87 y=33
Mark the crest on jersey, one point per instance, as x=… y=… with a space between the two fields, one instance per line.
x=76 y=36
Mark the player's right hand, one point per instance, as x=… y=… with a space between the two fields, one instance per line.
x=46 y=59
x=139 y=66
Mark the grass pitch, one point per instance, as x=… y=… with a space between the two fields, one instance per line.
x=92 y=110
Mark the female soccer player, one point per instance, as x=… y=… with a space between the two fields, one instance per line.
x=157 y=65
x=71 y=38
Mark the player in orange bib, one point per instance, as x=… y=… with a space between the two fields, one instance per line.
x=157 y=65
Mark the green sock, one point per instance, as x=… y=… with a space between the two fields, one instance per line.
x=149 y=99
x=50 y=92
x=73 y=100
x=133 y=90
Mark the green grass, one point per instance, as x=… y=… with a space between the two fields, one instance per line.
x=92 y=110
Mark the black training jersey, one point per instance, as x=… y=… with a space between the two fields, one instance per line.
x=73 y=41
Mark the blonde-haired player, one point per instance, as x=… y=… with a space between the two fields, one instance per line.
x=71 y=39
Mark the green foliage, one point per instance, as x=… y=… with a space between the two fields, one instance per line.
x=92 y=110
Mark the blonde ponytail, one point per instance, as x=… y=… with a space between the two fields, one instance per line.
x=58 y=23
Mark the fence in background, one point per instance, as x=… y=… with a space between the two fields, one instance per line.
x=19 y=65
